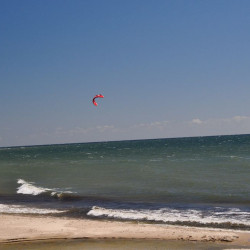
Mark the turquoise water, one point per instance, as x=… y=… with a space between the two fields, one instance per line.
x=198 y=180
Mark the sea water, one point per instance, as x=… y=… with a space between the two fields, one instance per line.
x=201 y=181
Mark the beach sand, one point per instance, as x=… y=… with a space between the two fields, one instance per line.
x=26 y=228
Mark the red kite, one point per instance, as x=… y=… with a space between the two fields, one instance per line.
x=97 y=96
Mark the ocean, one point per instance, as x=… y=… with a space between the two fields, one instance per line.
x=195 y=181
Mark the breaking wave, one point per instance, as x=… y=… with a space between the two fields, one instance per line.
x=218 y=217
x=29 y=188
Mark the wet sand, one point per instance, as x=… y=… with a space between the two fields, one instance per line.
x=24 y=228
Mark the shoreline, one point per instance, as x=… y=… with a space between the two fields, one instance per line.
x=28 y=228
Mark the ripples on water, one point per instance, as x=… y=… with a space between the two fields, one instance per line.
x=184 y=180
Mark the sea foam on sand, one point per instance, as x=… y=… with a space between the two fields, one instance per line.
x=18 y=209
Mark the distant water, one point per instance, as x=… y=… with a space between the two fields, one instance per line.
x=201 y=181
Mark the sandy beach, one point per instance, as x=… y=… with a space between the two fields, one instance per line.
x=24 y=228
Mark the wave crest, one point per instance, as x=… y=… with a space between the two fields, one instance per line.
x=29 y=188
x=177 y=216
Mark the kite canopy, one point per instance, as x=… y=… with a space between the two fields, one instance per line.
x=97 y=96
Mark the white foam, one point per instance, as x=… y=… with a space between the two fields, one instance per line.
x=30 y=188
x=171 y=215
x=16 y=209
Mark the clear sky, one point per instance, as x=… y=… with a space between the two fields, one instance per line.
x=166 y=69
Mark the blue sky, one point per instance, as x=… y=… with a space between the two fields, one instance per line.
x=166 y=69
